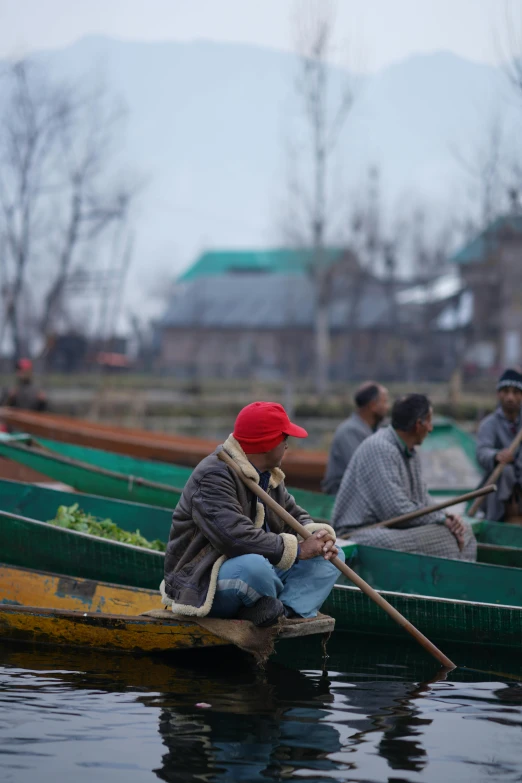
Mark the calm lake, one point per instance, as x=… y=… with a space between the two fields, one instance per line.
x=381 y=713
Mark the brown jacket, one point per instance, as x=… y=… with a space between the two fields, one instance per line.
x=217 y=518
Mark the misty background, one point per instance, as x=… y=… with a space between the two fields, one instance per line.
x=210 y=125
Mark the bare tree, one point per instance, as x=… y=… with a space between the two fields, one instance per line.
x=488 y=172
x=430 y=248
x=57 y=202
x=91 y=208
x=513 y=70
x=31 y=118
x=513 y=38
x=325 y=106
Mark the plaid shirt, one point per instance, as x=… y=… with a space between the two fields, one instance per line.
x=383 y=480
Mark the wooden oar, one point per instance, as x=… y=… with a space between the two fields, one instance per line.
x=477 y=493
x=343 y=568
x=497 y=471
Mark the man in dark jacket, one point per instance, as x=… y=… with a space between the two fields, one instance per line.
x=372 y=404
x=494 y=436
x=228 y=555
x=25 y=394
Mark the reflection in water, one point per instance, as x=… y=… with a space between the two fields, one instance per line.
x=401 y=728
x=379 y=715
x=273 y=723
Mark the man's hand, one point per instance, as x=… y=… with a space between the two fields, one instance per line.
x=457 y=527
x=504 y=456
x=319 y=543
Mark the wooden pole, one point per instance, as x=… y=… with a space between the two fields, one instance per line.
x=497 y=471
x=343 y=568
x=477 y=493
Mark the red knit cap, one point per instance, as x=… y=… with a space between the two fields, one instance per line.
x=261 y=426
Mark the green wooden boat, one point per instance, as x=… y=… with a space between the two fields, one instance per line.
x=120 y=476
x=499 y=544
x=127 y=478
x=100 y=472
x=448 y=600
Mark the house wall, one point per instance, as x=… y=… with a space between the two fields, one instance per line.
x=235 y=353
x=379 y=354
x=510 y=304
x=496 y=284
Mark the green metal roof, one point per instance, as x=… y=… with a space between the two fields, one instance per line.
x=486 y=243
x=283 y=261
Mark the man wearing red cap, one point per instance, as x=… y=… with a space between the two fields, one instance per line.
x=228 y=555
x=25 y=394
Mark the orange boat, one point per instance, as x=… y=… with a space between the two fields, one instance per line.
x=15 y=471
x=303 y=469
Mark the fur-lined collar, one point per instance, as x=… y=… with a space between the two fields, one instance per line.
x=234 y=450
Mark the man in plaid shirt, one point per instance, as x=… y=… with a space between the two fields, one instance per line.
x=384 y=480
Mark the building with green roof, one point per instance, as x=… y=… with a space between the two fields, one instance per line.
x=240 y=313
x=488 y=242
x=490 y=267
x=279 y=261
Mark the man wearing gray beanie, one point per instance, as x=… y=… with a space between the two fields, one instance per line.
x=496 y=433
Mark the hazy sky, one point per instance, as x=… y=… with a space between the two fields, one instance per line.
x=382 y=31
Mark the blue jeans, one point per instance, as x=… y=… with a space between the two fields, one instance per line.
x=243 y=580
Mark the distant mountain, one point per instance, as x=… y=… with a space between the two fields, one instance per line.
x=207 y=123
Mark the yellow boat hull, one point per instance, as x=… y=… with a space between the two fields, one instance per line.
x=44 y=608
x=51 y=609
x=90 y=630
x=25 y=587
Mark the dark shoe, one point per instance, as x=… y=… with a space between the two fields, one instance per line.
x=264 y=612
x=289 y=613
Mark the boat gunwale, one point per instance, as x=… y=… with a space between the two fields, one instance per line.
x=78 y=613
x=437 y=598
x=42 y=451
x=80 y=494
x=497 y=548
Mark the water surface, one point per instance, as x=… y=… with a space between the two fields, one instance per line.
x=381 y=714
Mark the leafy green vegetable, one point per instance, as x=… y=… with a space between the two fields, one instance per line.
x=73 y=518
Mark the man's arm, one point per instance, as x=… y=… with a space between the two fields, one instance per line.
x=218 y=514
